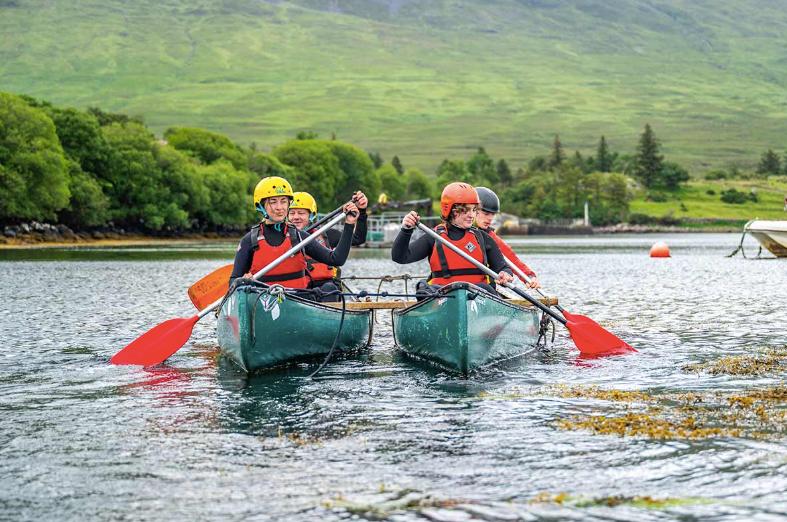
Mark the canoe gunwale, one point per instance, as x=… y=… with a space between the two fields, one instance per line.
x=295 y=297
x=451 y=287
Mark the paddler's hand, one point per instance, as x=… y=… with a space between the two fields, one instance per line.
x=360 y=200
x=533 y=283
x=411 y=220
x=504 y=278
x=352 y=213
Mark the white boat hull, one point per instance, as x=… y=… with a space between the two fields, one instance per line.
x=772 y=235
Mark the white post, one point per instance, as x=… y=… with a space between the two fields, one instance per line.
x=587 y=214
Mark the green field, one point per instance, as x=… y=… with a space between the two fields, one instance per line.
x=695 y=201
x=423 y=80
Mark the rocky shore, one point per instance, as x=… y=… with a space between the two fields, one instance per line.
x=45 y=234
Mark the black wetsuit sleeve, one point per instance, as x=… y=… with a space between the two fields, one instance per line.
x=338 y=255
x=333 y=237
x=359 y=237
x=404 y=252
x=494 y=257
x=243 y=258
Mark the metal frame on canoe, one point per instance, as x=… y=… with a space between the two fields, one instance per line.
x=463 y=328
x=294 y=327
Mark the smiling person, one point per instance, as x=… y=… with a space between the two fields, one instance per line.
x=458 y=207
x=322 y=276
x=490 y=205
x=272 y=237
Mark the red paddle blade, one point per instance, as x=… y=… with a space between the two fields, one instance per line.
x=592 y=339
x=158 y=343
x=211 y=287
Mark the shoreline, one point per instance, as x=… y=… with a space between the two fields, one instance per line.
x=117 y=240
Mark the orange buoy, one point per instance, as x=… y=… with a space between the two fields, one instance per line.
x=659 y=249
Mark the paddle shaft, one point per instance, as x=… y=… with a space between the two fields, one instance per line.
x=518 y=271
x=491 y=273
x=302 y=244
x=323 y=219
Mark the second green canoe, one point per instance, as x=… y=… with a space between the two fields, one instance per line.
x=463 y=328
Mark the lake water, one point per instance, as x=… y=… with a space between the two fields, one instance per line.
x=376 y=436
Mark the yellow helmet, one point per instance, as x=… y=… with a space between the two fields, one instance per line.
x=305 y=201
x=270 y=187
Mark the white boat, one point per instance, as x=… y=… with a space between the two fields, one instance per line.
x=771 y=235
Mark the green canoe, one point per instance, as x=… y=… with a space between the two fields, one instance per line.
x=260 y=327
x=463 y=328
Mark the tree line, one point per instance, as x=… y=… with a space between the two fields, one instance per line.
x=93 y=168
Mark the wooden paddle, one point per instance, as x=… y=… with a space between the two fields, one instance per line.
x=161 y=341
x=589 y=336
x=214 y=285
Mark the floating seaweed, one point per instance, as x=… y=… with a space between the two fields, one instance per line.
x=644 y=502
x=770 y=361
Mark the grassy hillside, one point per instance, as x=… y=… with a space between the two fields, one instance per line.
x=425 y=79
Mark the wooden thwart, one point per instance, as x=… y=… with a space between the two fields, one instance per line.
x=394 y=305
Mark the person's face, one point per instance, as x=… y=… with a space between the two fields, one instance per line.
x=462 y=216
x=299 y=217
x=484 y=219
x=277 y=207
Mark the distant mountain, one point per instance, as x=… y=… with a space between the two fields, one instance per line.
x=422 y=79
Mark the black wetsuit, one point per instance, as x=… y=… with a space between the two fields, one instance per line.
x=275 y=237
x=404 y=252
x=359 y=236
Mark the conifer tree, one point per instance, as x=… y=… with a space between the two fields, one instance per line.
x=377 y=160
x=504 y=172
x=649 y=162
x=397 y=165
x=603 y=157
x=770 y=164
x=557 y=155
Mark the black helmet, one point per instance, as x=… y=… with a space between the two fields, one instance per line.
x=489 y=200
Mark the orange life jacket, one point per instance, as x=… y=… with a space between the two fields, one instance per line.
x=448 y=266
x=320 y=271
x=291 y=272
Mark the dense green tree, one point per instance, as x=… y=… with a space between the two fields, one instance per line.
x=33 y=169
x=567 y=190
x=537 y=164
x=393 y=184
x=139 y=191
x=377 y=160
x=230 y=201
x=397 y=164
x=450 y=171
x=557 y=156
x=418 y=185
x=357 y=172
x=81 y=138
x=649 y=162
x=770 y=164
x=315 y=169
x=603 y=160
x=263 y=165
x=672 y=175
x=88 y=205
x=482 y=169
x=206 y=146
x=504 y=172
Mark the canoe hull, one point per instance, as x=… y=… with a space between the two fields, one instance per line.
x=258 y=330
x=465 y=328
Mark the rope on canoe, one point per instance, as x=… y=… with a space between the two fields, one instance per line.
x=335 y=339
x=543 y=330
x=386 y=279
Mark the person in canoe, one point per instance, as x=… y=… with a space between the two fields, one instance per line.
x=458 y=207
x=490 y=205
x=272 y=237
x=302 y=213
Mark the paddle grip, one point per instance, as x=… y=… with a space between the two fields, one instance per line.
x=491 y=273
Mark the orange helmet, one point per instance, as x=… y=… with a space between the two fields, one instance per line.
x=457 y=193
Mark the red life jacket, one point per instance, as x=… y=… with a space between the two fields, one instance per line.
x=507 y=252
x=291 y=272
x=448 y=266
x=320 y=271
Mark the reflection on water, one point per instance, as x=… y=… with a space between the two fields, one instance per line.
x=378 y=435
